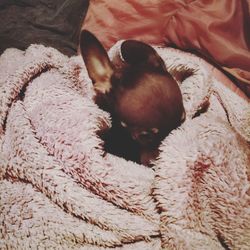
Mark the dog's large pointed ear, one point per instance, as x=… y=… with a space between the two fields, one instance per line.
x=136 y=52
x=96 y=61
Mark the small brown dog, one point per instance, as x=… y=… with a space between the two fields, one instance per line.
x=144 y=101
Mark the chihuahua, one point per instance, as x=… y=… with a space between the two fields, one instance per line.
x=143 y=99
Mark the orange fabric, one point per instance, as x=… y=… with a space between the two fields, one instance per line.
x=215 y=29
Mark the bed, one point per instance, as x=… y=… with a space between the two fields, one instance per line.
x=59 y=188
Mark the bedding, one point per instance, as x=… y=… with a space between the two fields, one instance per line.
x=60 y=189
x=216 y=30
x=54 y=23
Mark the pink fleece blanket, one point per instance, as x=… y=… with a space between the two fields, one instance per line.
x=59 y=189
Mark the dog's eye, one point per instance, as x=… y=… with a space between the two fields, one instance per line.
x=155 y=130
x=124 y=124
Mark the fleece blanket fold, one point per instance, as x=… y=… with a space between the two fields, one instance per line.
x=60 y=189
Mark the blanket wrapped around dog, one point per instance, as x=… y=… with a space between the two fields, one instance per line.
x=59 y=189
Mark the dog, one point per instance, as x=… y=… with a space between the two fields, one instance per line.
x=143 y=99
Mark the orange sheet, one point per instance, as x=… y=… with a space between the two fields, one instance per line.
x=217 y=30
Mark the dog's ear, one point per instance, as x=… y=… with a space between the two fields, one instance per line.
x=136 y=53
x=97 y=62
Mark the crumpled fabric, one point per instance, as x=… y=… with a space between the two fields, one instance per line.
x=54 y=23
x=59 y=189
x=216 y=30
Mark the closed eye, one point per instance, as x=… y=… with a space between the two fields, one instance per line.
x=155 y=130
x=124 y=124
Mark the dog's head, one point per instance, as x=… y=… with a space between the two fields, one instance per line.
x=142 y=96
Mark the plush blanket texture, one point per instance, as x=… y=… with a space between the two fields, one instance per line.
x=59 y=189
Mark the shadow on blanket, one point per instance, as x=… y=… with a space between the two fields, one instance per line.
x=60 y=189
